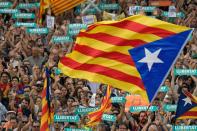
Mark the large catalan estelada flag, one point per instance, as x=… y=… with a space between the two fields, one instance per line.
x=47 y=111
x=186 y=106
x=134 y=54
x=60 y=6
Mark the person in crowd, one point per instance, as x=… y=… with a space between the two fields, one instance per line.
x=23 y=58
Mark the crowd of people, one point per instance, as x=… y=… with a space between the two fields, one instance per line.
x=23 y=58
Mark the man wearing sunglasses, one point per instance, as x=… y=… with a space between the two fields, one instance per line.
x=36 y=126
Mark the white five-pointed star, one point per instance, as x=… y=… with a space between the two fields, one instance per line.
x=151 y=58
x=187 y=100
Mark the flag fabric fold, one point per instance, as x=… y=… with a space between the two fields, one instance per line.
x=44 y=4
x=96 y=116
x=155 y=59
x=60 y=6
x=47 y=111
x=57 y=7
x=186 y=106
x=112 y=52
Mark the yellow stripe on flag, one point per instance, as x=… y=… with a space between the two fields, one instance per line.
x=102 y=45
x=113 y=64
x=148 y=21
x=189 y=117
x=45 y=118
x=193 y=109
x=60 y=6
x=65 y=5
x=126 y=34
x=158 y=24
x=103 y=79
x=44 y=102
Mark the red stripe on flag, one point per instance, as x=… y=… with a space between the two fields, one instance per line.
x=63 y=6
x=44 y=126
x=86 y=50
x=189 y=113
x=138 y=27
x=114 y=40
x=59 y=2
x=190 y=96
x=98 y=112
x=95 y=121
x=44 y=93
x=95 y=114
x=103 y=71
x=45 y=109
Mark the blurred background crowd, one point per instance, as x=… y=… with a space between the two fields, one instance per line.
x=23 y=58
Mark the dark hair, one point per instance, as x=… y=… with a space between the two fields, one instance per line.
x=3 y=121
x=185 y=85
x=169 y=78
x=15 y=77
x=71 y=98
x=6 y=74
x=73 y=124
x=36 y=121
x=13 y=118
x=1 y=94
x=142 y=112
x=116 y=105
x=150 y=125
x=27 y=99
x=122 y=123
x=181 y=87
x=173 y=120
x=24 y=67
x=32 y=43
x=156 y=99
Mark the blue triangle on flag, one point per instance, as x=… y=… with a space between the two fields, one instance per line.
x=184 y=107
x=154 y=60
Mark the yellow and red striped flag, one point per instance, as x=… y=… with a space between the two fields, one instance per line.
x=186 y=106
x=101 y=53
x=47 y=111
x=44 y=4
x=96 y=116
x=60 y=6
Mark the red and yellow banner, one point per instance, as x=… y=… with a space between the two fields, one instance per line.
x=101 y=52
x=60 y=6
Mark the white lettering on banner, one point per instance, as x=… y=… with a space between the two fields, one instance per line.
x=4 y=4
x=65 y=117
x=24 y=15
x=140 y=108
x=108 y=116
x=185 y=127
x=8 y=11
